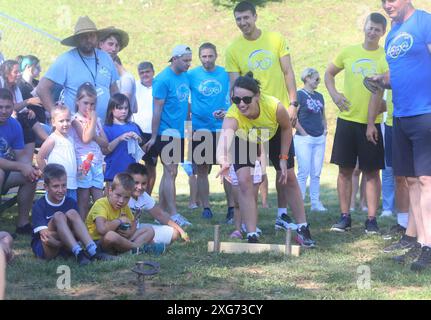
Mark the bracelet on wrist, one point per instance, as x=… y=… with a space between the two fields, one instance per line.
x=283 y=157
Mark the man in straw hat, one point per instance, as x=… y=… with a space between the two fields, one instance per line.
x=83 y=63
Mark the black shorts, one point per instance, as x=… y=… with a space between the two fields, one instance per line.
x=150 y=157
x=245 y=154
x=170 y=149
x=204 y=147
x=388 y=146
x=411 y=146
x=27 y=127
x=351 y=144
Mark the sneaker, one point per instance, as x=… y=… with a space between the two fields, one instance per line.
x=386 y=213
x=410 y=255
x=253 y=239
x=318 y=206
x=364 y=209
x=303 y=237
x=180 y=220
x=154 y=248
x=244 y=229
x=25 y=229
x=343 y=224
x=424 y=260
x=193 y=206
x=352 y=209
x=371 y=226
x=82 y=258
x=102 y=256
x=229 y=215
x=394 y=231
x=285 y=222
x=404 y=243
x=236 y=235
x=207 y=213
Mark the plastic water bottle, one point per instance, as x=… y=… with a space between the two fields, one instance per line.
x=86 y=164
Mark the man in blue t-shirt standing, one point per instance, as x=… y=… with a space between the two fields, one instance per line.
x=171 y=91
x=408 y=53
x=209 y=86
x=14 y=170
x=84 y=63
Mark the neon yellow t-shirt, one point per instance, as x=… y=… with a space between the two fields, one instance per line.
x=261 y=129
x=359 y=63
x=262 y=57
x=102 y=208
x=389 y=109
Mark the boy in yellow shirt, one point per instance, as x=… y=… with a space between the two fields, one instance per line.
x=111 y=222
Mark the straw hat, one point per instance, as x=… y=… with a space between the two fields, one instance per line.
x=84 y=25
x=105 y=33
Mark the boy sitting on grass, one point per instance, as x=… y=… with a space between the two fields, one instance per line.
x=111 y=222
x=57 y=224
x=166 y=233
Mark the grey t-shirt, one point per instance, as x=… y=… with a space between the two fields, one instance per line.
x=310 y=113
x=127 y=86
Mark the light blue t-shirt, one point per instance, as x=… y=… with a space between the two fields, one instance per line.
x=174 y=89
x=70 y=71
x=410 y=65
x=210 y=92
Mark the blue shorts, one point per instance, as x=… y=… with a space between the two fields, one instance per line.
x=37 y=247
x=93 y=179
x=388 y=146
x=411 y=146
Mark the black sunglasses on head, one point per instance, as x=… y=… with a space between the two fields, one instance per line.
x=246 y=99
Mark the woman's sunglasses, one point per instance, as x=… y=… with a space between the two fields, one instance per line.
x=246 y=99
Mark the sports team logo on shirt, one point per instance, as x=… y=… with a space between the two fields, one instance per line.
x=364 y=67
x=400 y=45
x=5 y=150
x=260 y=60
x=210 y=87
x=183 y=92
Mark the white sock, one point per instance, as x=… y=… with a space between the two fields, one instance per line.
x=281 y=211
x=403 y=219
x=302 y=225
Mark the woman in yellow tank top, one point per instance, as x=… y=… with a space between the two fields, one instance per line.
x=254 y=120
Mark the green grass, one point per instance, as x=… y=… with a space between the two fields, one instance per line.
x=315 y=31
x=188 y=271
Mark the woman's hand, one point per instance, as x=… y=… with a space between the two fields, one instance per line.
x=224 y=172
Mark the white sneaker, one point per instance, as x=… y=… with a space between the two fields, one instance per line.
x=244 y=229
x=364 y=209
x=386 y=213
x=318 y=206
x=180 y=220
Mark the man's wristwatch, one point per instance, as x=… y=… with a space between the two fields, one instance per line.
x=294 y=103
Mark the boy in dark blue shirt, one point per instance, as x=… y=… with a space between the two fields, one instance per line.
x=57 y=224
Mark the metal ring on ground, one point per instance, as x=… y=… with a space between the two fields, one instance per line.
x=140 y=269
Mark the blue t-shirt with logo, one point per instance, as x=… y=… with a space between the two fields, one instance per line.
x=11 y=138
x=174 y=89
x=409 y=62
x=210 y=92
x=71 y=69
x=310 y=113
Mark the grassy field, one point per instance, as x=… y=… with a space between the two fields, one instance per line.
x=315 y=30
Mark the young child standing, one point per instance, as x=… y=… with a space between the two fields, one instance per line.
x=89 y=138
x=111 y=222
x=57 y=224
x=169 y=231
x=59 y=148
x=119 y=130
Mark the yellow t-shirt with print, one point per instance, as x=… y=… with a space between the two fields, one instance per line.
x=261 y=129
x=389 y=109
x=262 y=57
x=102 y=208
x=359 y=63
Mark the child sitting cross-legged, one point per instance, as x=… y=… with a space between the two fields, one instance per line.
x=111 y=222
x=57 y=224
x=166 y=233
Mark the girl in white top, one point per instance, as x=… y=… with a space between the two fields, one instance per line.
x=59 y=148
x=89 y=138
